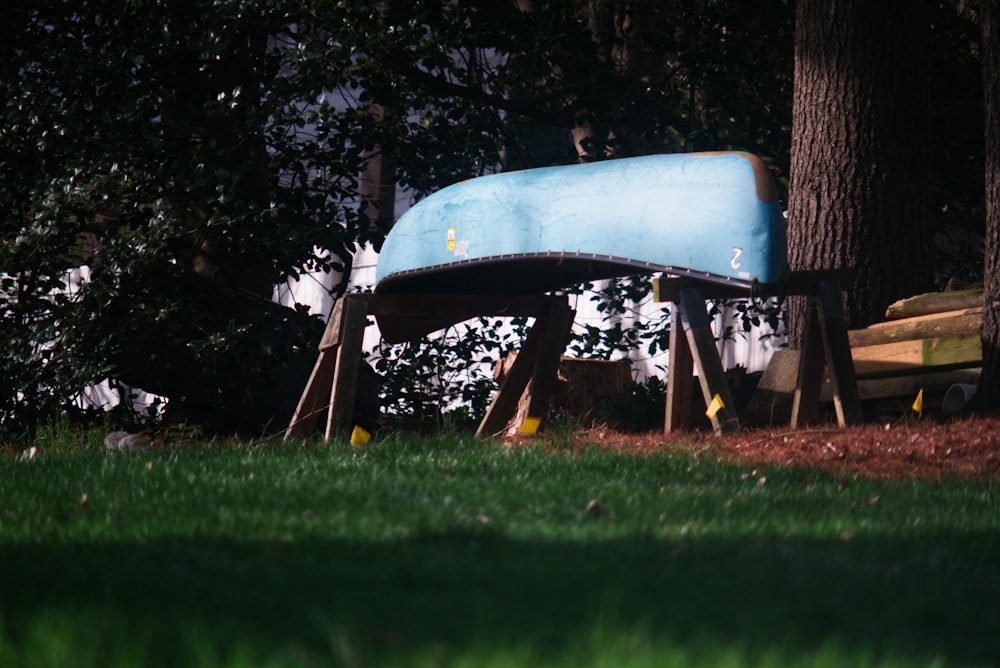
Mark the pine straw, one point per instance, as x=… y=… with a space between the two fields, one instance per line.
x=927 y=447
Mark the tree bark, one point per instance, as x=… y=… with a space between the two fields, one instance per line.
x=234 y=143
x=860 y=151
x=988 y=395
x=377 y=187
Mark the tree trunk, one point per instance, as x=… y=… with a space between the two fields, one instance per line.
x=591 y=139
x=377 y=187
x=988 y=395
x=860 y=151
x=233 y=142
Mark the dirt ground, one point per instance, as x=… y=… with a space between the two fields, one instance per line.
x=911 y=447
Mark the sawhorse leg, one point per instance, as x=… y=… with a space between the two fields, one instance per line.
x=332 y=386
x=697 y=353
x=533 y=372
x=826 y=340
x=680 y=377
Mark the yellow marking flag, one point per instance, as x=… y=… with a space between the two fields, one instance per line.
x=918 y=403
x=360 y=435
x=530 y=425
x=714 y=407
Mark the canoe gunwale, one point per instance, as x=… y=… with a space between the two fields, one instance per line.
x=610 y=266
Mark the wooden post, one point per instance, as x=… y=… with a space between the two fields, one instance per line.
x=550 y=323
x=542 y=385
x=332 y=385
x=830 y=313
x=345 y=373
x=826 y=340
x=314 y=399
x=805 y=399
x=711 y=375
x=680 y=377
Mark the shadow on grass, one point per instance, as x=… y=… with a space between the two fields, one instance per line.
x=921 y=599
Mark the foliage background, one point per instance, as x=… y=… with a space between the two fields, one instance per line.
x=144 y=142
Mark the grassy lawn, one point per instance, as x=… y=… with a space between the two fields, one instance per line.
x=449 y=551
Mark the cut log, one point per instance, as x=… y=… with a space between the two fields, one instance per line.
x=977 y=310
x=934 y=302
x=961 y=322
x=581 y=383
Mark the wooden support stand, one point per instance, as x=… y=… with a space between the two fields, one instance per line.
x=826 y=331
x=332 y=385
x=693 y=349
x=698 y=352
x=533 y=373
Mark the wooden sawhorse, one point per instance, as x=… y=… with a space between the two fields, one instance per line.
x=332 y=386
x=692 y=348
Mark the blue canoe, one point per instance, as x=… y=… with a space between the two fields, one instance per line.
x=712 y=216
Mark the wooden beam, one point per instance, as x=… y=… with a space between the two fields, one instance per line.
x=316 y=395
x=667 y=288
x=708 y=364
x=405 y=317
x=900 y=322
x=805 y=398
x=538 y=393
x=903 y=356
x=937 y=325
x=680 y=378
x=331 y=335
x=935 y=302
x=833 y=325
x=504 y=405
x=314 y=399
x=354 y=318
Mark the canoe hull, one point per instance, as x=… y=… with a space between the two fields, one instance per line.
x=713 y=215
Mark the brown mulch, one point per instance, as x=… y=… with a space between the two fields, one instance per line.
x=915 y=447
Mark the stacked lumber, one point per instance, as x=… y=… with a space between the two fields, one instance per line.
x=928 y=342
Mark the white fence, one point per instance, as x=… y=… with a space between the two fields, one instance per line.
x=751 y=350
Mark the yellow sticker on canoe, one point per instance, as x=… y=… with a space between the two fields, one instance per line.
x=451 y=239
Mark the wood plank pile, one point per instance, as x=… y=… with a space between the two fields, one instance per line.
x=928 y=342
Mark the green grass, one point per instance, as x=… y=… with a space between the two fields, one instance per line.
x=449 y=551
